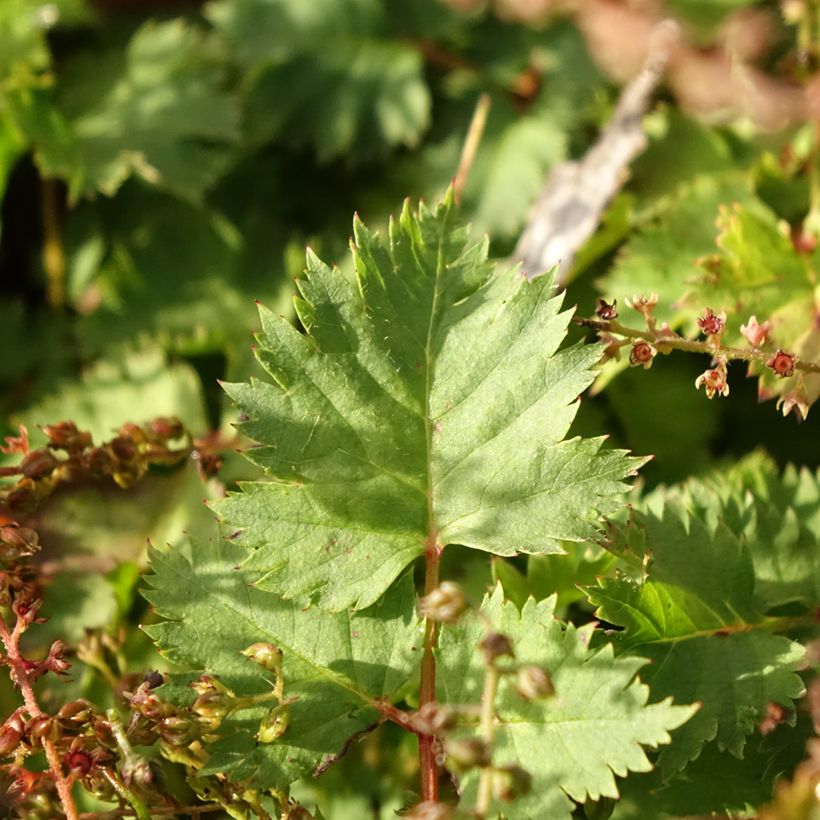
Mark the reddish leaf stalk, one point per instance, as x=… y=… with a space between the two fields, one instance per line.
x=428 y=768
x=23 y=680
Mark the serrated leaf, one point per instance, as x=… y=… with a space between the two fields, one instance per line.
x=359 y=97
x=696 y=615
x=717 y=782
x=426 y=405
x=155 y=108
x=595 y=727
x=336 y=665
x=775 y=514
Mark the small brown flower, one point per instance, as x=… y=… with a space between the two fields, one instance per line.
x=714 y=380
x=642 y=354
x=782 y=364
x=606 y=311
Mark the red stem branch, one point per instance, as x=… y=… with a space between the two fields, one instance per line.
x=22 y=678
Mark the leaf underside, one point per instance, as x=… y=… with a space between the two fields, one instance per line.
x=426 y=404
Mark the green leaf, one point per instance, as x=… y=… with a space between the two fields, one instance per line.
x=717 y=782
x=155 y=108
x=573 y=745
x=775 y=515
x=23 y=47
x=336 y=665
x=325 y=74
x=426 y=405
x=696 y=615
x=183 y=274
x=137 y=387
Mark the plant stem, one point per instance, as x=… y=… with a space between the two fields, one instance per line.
x=21 y=677
x=471 y=143
x=485 y=783
x=679 y=343
x=53 y=253
x=428 y=768
x=140 y=809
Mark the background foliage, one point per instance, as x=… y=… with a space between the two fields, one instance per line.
x=163 y=166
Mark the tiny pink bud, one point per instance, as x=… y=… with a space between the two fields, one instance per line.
x=643 y=304
x=712 y=323
x=756 y=334
x=782 y=364
x=642 y=354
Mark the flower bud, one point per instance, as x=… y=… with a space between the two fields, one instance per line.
x=534 y=683
x=65 y=436
x=177 y=730
x=754 y=333
x=606 y=311
x=18 y=542
x=510 y=782
x=55 y=662
x=9 y=740
x=166 y=427
x=444 y=604
x=433 y=719
x=274 y=724
x=467 y=753
x=43 y=727
x=37 y=464
x=495 y=645
x=266 y=655
x=136 y=771
x=212 y=705
x=76 y=712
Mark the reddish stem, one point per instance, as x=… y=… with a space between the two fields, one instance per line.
x=428 y=767
x=22 y=678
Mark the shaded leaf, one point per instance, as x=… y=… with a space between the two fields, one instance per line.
x=155 y=108
x=362 y=95
x=696 y=615
x=336 y=665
